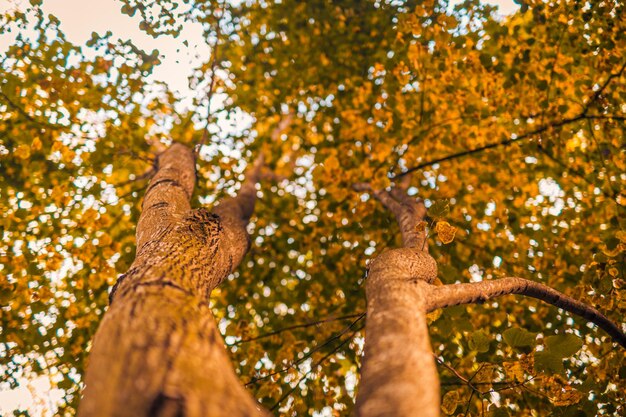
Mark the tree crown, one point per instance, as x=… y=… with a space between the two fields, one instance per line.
x=509 y=128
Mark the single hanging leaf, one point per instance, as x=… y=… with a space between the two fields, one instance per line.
x=421 y=226
x=479 y=341
x=548 y=362
x=450 y=402
x=445 y=232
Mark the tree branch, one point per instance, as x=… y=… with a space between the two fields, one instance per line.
x=169 y=192
x=606 y=84
x=238 y=210
x=407 y=210
x=205 y=131
x=582 y=115
x=479 y=149
x=297 y=326
x=479 y=292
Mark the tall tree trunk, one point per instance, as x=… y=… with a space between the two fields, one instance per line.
x=157 y=351
x=399 y=376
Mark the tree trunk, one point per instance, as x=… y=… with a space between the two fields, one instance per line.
x=157 y=351
x=399 y=377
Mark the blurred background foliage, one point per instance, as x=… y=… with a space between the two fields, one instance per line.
x=516 y=122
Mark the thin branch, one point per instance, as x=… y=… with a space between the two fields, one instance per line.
x=318 y=363
x=205 y=131
x=479 y=292
x=510 y=385
x=477 y=384
x=479 y=149
x=582 y=115
x=297 y=326
x=469 y=403
x=308 y=355
x=456 y=373
x=606 y=83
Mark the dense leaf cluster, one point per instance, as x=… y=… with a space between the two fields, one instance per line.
x=516 y=122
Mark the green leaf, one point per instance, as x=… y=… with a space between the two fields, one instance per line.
x=563 y=346
x=479 y=341
x=518 y=337
x=548 y=362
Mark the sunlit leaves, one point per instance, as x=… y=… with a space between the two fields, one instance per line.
x=66 y=122
x=375 y=89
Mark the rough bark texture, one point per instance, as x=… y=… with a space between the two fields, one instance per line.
x=158 y=351
x=399 y=376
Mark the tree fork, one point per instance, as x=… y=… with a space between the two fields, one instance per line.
x=399 y=376
x=157 y=351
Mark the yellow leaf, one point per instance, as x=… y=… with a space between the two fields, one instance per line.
x=36 y=145
x=331 y=164
x=445 y=232
x=421 y=226
x=22 y=151
x=449 y=402
x=514 y=371
x=432 y=317
x=565 y=395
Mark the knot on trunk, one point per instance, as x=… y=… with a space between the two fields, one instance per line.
x=405 y=264
x=203 y=225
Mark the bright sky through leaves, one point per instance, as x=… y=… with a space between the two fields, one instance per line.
x=517 y=123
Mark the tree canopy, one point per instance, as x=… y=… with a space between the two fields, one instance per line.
x=510 y=128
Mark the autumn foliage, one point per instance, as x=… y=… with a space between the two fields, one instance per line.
x=510 y=128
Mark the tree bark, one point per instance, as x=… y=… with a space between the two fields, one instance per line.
x=399 y=375
x=157 y=351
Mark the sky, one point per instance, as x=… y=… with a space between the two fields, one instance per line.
x=79 y=18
